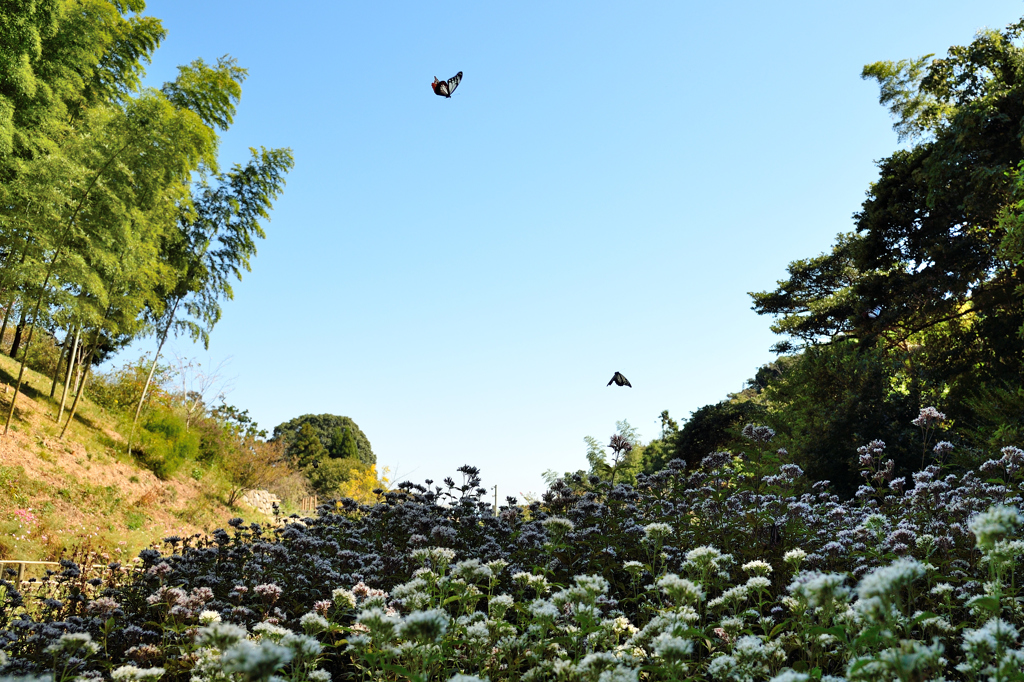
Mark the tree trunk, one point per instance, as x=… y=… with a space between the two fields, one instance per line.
x=74 y=404
x=3 y=328
x=17 y=334
x=75 y=385
x=72 y=357
x=63 y=351
x=152 y=369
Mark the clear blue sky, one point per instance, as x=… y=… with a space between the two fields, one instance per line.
x=462 y=277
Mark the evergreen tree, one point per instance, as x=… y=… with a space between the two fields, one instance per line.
x=306 y=450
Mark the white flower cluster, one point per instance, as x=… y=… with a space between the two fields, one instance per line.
x=226 y=649
x=994 y=525
x=129 y=673
x=680 y=590
x=74 y=644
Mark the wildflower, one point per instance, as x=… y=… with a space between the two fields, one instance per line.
x=680 y=590
x=220 y=635
x=794 y=556
x=994 y=525
x=161 y=570
x=208 y=617
x=424 y=626
x=269 y=592
x=127 y=673
x=790 y=675
x=466 y=678
x=472 y=571
x=558 y=526
x=672 y=649
x=313 y=622
x=343 y=598
x=758 y=583
x=542 y=609
x=790 y=471
x=928 y=416
x=498 y=605
x=318 y=676
x=619 y=673
x=538 y=582
x=438 y=556
x=103 y=607
x=937 y=622
x=255 y=661
x=657 y=531
x=478 y=631
x=497 y=566
x=758 y=567
x=724 y=668
x=819 y=589
x=732 y=625
x=707 y=558
x=758 y=434
x=304 y=648
x=594 y=585
x=270 y=631
x=989 y=651
x=74 y=644
x=881 y=581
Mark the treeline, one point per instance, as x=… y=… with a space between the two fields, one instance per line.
x=116 y=217
x=919 y=306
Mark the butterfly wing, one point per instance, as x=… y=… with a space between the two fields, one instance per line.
x=625 y=381
x=453 y=83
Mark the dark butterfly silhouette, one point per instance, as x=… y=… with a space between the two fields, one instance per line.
x=619 y=380
x=446 y=88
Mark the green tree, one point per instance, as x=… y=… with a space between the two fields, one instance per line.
x=927 y=290
x=343 y=444
x=331 y=475
x=713 y=428
x=216 y=243
x=306 y=449
x=325 y=426
x=835 y=398
x=127 y=163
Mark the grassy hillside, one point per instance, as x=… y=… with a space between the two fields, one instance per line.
x=85 y=491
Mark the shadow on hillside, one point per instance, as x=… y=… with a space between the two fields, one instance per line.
x=10 y=381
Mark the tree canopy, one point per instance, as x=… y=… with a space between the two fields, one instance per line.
x=115 y=219
x=331 y=430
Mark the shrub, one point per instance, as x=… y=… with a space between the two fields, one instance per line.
x=165 y=444
x=120 y=389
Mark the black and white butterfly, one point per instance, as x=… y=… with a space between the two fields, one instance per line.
x=620 y=380
x=446 y=88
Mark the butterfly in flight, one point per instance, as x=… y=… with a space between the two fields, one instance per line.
x=446 y=88
x=619 y=380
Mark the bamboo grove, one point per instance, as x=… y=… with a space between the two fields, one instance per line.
x=117 y=219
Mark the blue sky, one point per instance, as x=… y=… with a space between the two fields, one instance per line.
x=462 y=277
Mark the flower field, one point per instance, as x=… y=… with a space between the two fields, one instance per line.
x=739 y=570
